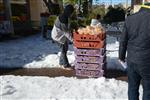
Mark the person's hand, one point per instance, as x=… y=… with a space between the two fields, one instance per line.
x=123 y=63
x=121 y=60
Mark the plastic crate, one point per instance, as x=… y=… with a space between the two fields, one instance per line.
x=89 y=73
x=92 y=45
x=90 y=59
x=88 y=37
x=89 y=52
x=87 y=66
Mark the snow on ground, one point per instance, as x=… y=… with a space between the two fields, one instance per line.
x=35 y=52
x=30 y=52
x=61 y=88
x=112 y=53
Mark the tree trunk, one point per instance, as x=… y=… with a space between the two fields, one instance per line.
x=90 y=1
x=132 y=4
x=53 y=7
x=90 y=5
x=28 y=10
x=8 y=13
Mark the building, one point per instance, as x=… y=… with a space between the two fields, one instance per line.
x=136 y=5
x=20 y=15
x=36 y=7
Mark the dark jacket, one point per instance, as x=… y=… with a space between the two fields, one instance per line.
x=135 y=38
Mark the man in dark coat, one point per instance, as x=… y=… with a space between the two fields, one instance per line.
x=135 y=40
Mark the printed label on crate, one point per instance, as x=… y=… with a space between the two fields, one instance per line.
x=89 y=59
x=88 y=37
x=87 y=66
x=89 y=52
x=89 y=73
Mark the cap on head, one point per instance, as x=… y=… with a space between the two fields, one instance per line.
x=69 y=9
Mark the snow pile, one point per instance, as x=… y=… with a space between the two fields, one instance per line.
x=61 y=88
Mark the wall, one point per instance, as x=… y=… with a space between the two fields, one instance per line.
x=36 y=7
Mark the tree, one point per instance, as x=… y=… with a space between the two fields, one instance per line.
x=8 y=13
x=98 y=10
x=53 y=7
x=114 y=15
x=85 y=7
x=73 y=2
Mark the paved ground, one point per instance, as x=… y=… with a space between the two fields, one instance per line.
x=56 y=72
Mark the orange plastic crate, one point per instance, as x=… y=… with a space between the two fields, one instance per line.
x=87 y=37
x=92 y=45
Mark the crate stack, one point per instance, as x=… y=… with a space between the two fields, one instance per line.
x=90 y=56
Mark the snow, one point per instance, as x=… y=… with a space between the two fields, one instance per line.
x=31 y=52
x=61 y=88
x=35 y=52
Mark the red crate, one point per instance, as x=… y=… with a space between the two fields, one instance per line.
x=94 y=45
x=88 y=37
x=89 y=73
x=89 y=52
x=88 y=66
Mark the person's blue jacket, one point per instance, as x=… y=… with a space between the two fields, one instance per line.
x=135 y=38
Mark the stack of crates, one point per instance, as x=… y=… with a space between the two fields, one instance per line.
x=90 y=56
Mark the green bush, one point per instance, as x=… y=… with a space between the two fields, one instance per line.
x=51 y=20
x=98 y=10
